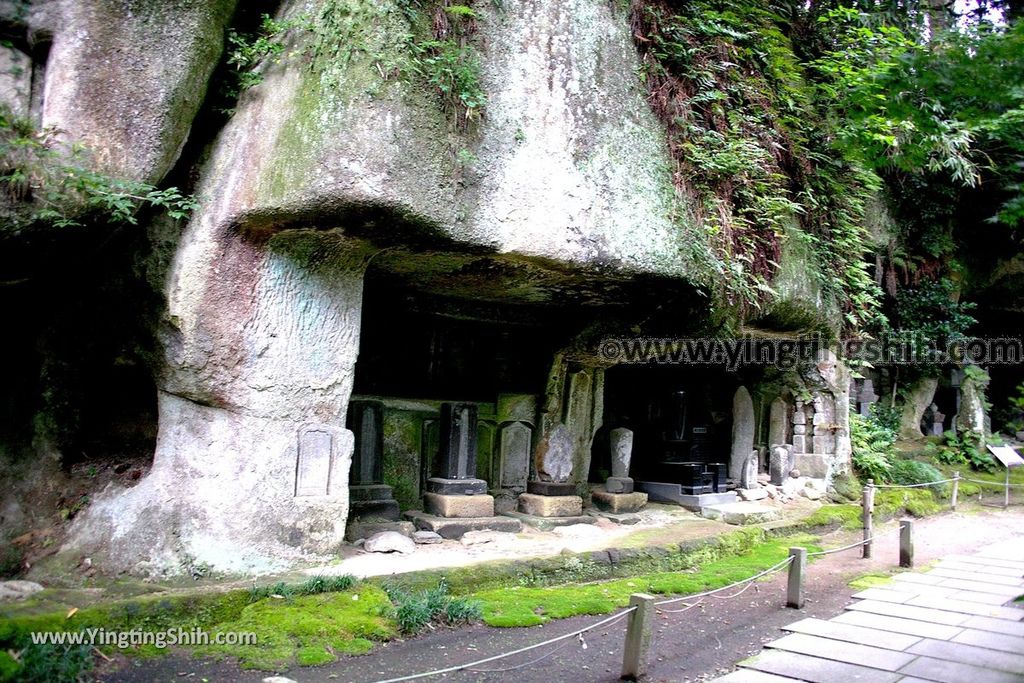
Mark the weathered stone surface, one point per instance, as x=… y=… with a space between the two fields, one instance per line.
x=550 y=523
x=389 y=542
x=748 y=478
x=555 y=455
x=742 y=432
x=972 y=417
x=15 y=80
x=551 y=488
x=358 y=529
x=515 y=446
x=619 y=502
x=426 y=537
x=486 y=536
x=619 y=485
x=127 y=83
x=778 y=423
x=550 y=506
x=752 y=494
x=622 y=451
x=811 y=465
x=455 y=527
x=458 y=506
x=18 y=590
x=778 y=465
x=917 y=400
x=517 y=408
x=741 y=513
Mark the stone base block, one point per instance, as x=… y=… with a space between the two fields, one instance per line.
x=741 y=514
x=625 y=518
x=456 y=487
x=550 y=506
x=549 y=523
x=752 y=494
x=619 y=485
x=455 y=527
x=359 y=529
x=811 y=465
x=551 y=488
x=665 y=492
x=619 y=502
x=459 y=505
x=368 y=510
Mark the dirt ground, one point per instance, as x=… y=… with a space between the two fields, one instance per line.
x=694 y=645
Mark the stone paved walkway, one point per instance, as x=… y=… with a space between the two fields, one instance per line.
x=956 y=623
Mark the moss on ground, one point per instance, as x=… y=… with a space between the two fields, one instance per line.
x=871 y=580
x=842 y=516
x=529 y=606
x=308 y=630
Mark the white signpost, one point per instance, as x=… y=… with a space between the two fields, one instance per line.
x=1009 y=458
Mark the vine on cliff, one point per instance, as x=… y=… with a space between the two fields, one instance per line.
x=738 y=111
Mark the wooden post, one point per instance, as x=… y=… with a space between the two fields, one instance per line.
x=795 y=587
x=638 y=636
x=1006 y=496
x=868 y=499
x=956 y=490
x=906 y=543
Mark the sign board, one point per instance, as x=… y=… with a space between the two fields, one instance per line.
x=1006 y=455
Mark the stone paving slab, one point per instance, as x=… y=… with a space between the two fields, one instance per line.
x=935 y=616
x=988 y=561
x=850 y=653
x=854 y=634
x=897 y=625
x=970 y=654
x=752 y=676
x=966 y=584
x=885 y=595
x=981 y=568
x=815 y=669
x=971 y=596
x=990 y=639
x=978 y=577
x=944 y=671
x=951 y=624
x=964 y=607
x=1004 y=626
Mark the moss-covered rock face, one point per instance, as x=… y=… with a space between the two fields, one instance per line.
x=125 y=78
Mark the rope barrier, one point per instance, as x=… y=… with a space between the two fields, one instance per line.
x=915 y=486
x=830 y=551
x=991 y=483
x=460 y=667
x=770 y=570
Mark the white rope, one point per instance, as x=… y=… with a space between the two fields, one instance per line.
x=770 y=570
x=1001 y=485
x=913 y=486
x=460 y=667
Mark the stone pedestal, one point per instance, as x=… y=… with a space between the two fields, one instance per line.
x=619 y=503
x=619 y=485
x=455 y=500
x=550 y=506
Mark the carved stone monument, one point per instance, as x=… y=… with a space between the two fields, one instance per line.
x=618 y=496
x=743 y=427
x=551 y=498
x=370 y=498
x=457 y=501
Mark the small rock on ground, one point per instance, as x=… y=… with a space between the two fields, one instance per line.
x=426 y=537
x=389 y=542
x=18 y=590
x=279 y=679
x=484 y=536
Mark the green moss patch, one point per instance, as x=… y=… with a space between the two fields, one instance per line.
x=308 y=630
x=842 y=516
x=871 y=580
x=529 y=606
